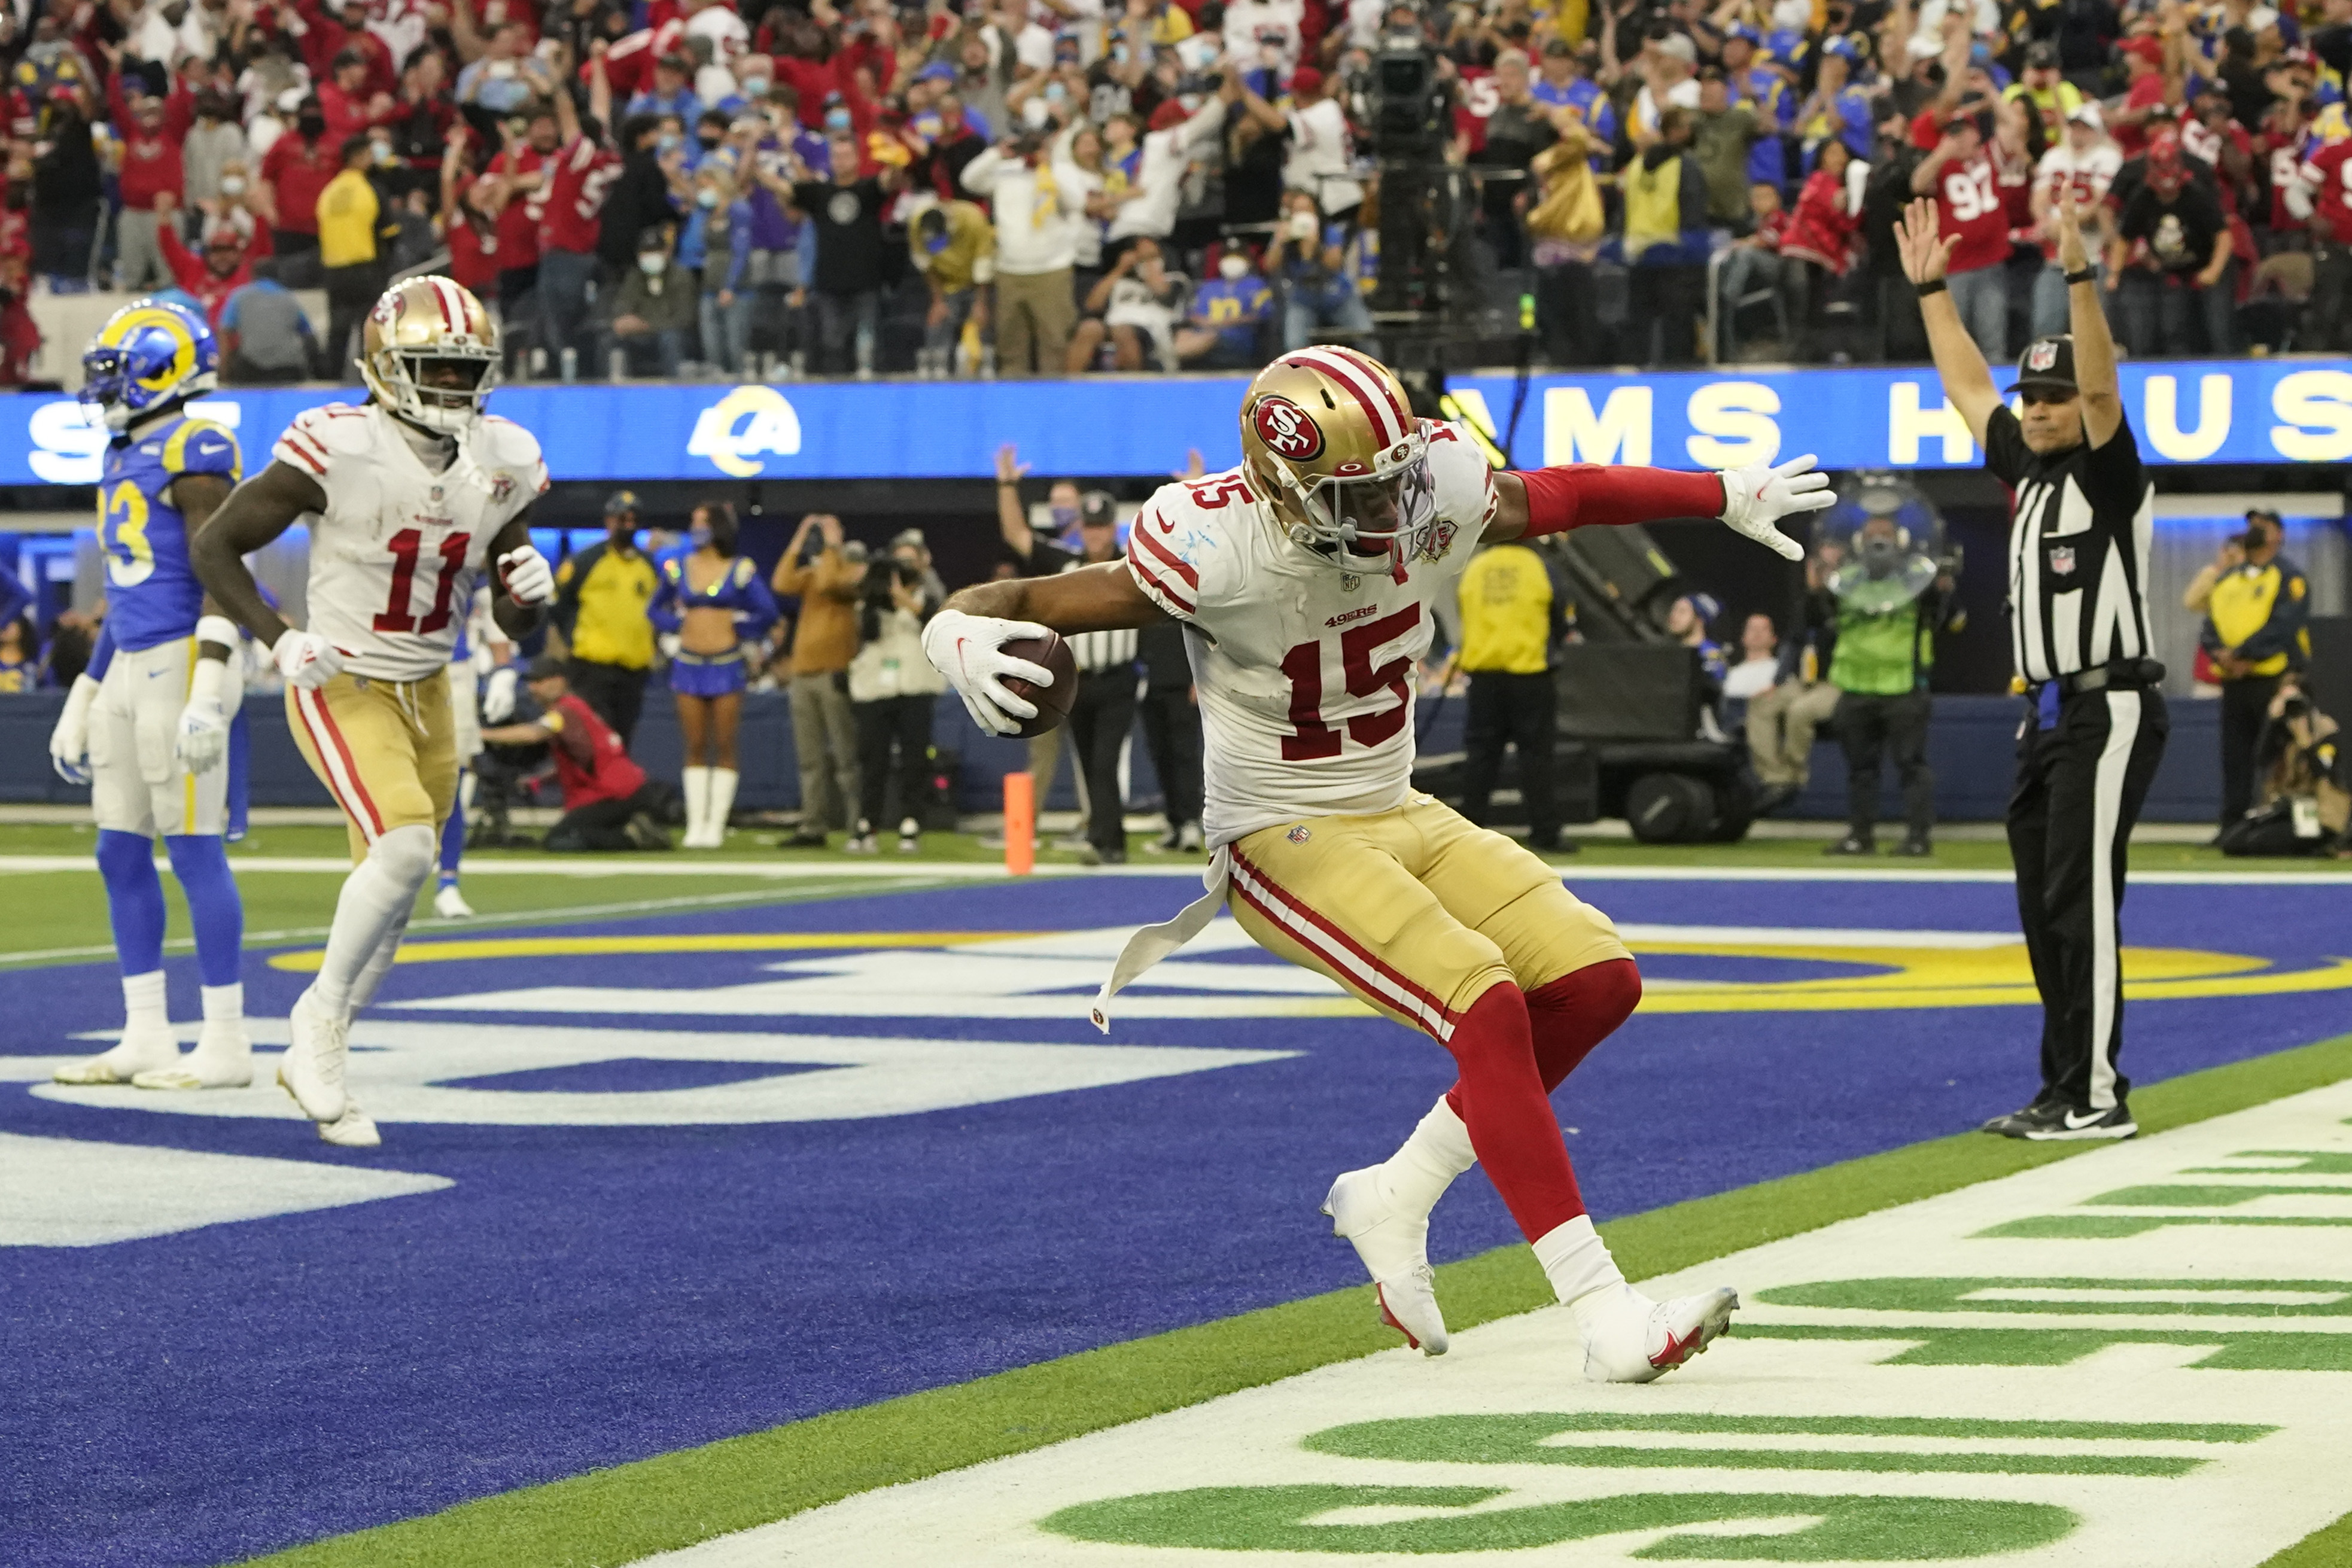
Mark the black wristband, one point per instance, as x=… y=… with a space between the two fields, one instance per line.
x=2088 y=275
x=1933 y=285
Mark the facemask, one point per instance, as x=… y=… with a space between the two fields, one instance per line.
x=232 y=185
x=706 y=197
x=928 y=126
x=1790 y=15
x=652 y=265
x=1055 y=92
x=1234 y=268
x=1119 y=56
x=1302 y=226
x=1035 y=115
x=836 y=120
x=668 y=142
x=1065 y=519
x=384 y=156
x=756 y=87
x=312 y=126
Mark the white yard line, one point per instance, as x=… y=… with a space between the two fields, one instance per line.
x=2186 y=1466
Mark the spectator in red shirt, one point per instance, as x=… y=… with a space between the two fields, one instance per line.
x=2150 y=84
x=1819 y=240
x=1959 y=174
x=607 y=803
x=350 y=107
x=579 y=173
x=322 y=37
x=298 y=167
x=2325 y=188
x=222 y=269
x=519 y=201
x=148 y=165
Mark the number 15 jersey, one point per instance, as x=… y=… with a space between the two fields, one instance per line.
x=1305 y=674
x=393 y=557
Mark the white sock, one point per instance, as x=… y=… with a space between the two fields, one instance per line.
x=377 y=898
x=224 y=1004
x=697 y=784
x=722 y=801
x=1576 y=1260
x=1417 y=1174
x=379 y=965
x=142 y=1002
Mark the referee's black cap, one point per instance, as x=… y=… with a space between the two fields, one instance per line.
x=2048 y=365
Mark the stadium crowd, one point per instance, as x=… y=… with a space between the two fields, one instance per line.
x=1053 y=186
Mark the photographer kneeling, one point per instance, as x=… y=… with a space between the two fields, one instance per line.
x=607 y=803
x=2304 y=799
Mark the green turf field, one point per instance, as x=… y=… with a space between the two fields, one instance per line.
x=628 y=1511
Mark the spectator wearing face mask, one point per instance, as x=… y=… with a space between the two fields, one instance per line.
x=214 y=142
x=1222 y=322
x=1037 y=220
x=653 y=311
x=1135 y=306
x=297 y=169
x=1319 y=285
x=955 y=250
x=353 y=228
x=716 y=245
x=209 y=279
x=1321 y=158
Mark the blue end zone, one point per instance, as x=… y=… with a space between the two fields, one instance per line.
x=589 y=1294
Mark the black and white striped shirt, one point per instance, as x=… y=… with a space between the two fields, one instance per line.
x=2080 y=531
x=1096 y=652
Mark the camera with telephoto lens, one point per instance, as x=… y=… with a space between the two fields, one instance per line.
x=1409 y=107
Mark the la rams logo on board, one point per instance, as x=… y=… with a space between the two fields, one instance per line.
x=747 y=425
x=1287 y=430
x=2041 y=356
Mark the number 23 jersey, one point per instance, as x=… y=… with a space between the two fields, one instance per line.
x=1305 y=674
x=395 y=556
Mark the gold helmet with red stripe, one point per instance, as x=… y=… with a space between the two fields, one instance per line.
x=429 y=353
x=1332 y=439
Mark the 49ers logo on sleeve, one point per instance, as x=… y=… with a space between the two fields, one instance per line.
x=1287 y=430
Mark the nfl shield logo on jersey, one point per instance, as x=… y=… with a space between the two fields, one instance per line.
x=2062 y=561
x=1287 y=430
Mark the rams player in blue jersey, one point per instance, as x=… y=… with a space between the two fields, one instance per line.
x=151 y=737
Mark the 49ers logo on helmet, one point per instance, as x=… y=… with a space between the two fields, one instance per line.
x=1287 y=430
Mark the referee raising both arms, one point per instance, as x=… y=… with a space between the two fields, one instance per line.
x=2081 y=514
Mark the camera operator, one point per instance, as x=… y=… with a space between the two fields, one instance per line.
x=893 y=691
x=2305 y=799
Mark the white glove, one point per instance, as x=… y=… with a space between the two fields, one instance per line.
x=70 y=741
x=202 y=739
x=499 y=694
x=968 y=651
x=306 y=660
x=528 y=579
x=1757 y=496
x=670 y=644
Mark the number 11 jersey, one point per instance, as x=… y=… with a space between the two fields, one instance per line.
x=395 y=556
x=1304 y=673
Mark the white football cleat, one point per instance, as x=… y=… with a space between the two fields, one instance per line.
x=222 y=1060
x=142 y=1051
x=450 y=905
x=351 y=1130
x=313 y=1068
x=1393 y=1244
x=1629 y=1338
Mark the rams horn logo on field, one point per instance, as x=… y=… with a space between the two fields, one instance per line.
x=2041 y=356
x=1287 y=430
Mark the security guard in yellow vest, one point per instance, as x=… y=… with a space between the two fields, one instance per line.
x=2255 y=630
x=601 y=596
x=1510 y=618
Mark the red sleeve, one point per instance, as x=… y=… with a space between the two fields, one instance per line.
x=187 y=269
x=1589 y=494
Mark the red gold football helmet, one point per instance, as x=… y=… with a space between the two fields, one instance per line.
x=1329 y=436
x=430 y=354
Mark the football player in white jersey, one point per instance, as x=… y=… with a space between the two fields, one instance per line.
x=409 y=496
x=1305 y=579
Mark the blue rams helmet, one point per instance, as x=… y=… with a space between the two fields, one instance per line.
x=150 y=353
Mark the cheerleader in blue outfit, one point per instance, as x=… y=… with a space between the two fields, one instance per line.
x=711 y=604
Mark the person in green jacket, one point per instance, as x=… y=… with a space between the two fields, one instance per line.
x=1886 y=603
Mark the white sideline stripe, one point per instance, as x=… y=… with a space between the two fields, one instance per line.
x=1816 y=936
x=1335 y=954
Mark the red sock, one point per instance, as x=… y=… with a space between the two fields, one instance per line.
x=1578 y=1012
x=1501 y=1099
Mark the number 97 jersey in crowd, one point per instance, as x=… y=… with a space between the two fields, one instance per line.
x=1305 y=657
x=395 y=554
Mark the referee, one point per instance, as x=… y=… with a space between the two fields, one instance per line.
x=2081 y=509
